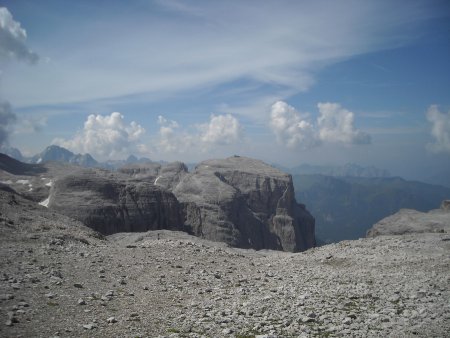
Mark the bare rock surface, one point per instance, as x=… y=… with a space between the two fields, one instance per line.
x=146 y=171
x=245 y=203
x=32 y=181
x=60 y=278
x=240 y=201
x=166 y=176
x=170 y=175
x=108 y=203
x=412 y=221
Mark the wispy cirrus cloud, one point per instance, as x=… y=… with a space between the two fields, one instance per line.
x=165 y=48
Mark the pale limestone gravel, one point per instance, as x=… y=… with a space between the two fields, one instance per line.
x=170 y=284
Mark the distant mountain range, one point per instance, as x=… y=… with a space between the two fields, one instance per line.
x=345 y=200
x=57 y=153
x=347 y=170
x=346 y=207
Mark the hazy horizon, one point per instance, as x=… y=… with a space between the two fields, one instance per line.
x=321 y=82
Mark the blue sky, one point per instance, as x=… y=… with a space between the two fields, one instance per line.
x=291 y=82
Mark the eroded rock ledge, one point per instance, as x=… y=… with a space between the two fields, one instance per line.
x=412 y=221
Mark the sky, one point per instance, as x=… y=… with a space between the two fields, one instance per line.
x=288 y=82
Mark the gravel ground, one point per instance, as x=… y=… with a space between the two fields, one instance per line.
x=62 y=280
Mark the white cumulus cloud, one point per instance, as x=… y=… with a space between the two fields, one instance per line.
x=220 y=130
x=13 y=39
x=171 y=137
x=290 y=127
x=296 y=130
x=336 y=125
x=440 y=129
x=106 y=137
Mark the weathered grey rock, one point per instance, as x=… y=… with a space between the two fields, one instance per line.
x=170 y=175
x=166 y=176
x=111 y=320
x=50 y=295
x=238 y=200
x=445 y=205
x=412 y=221
x=109 y=203
x=146 y=171
x=245 y=203
x=89 y=326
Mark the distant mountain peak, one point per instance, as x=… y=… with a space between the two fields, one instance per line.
x=11 y=152
x=57 y=153
x=131 y=159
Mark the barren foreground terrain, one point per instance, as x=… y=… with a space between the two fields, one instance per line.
x=59 y=278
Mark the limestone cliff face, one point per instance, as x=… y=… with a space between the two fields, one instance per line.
x=109 y=204
x=240 y=201
x=245 y=203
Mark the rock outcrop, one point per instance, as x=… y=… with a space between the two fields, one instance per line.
x=412 y=221
x=147 y=171
x=109 y=203
x=165 y=176
x=245 y=203
x=240 y=201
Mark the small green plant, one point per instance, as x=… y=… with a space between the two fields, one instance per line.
x=172 y=330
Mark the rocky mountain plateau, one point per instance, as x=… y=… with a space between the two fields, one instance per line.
x=60 y=277
x=240 y=201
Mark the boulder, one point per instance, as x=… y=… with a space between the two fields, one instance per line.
x=245 y=203
x=109 y=203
